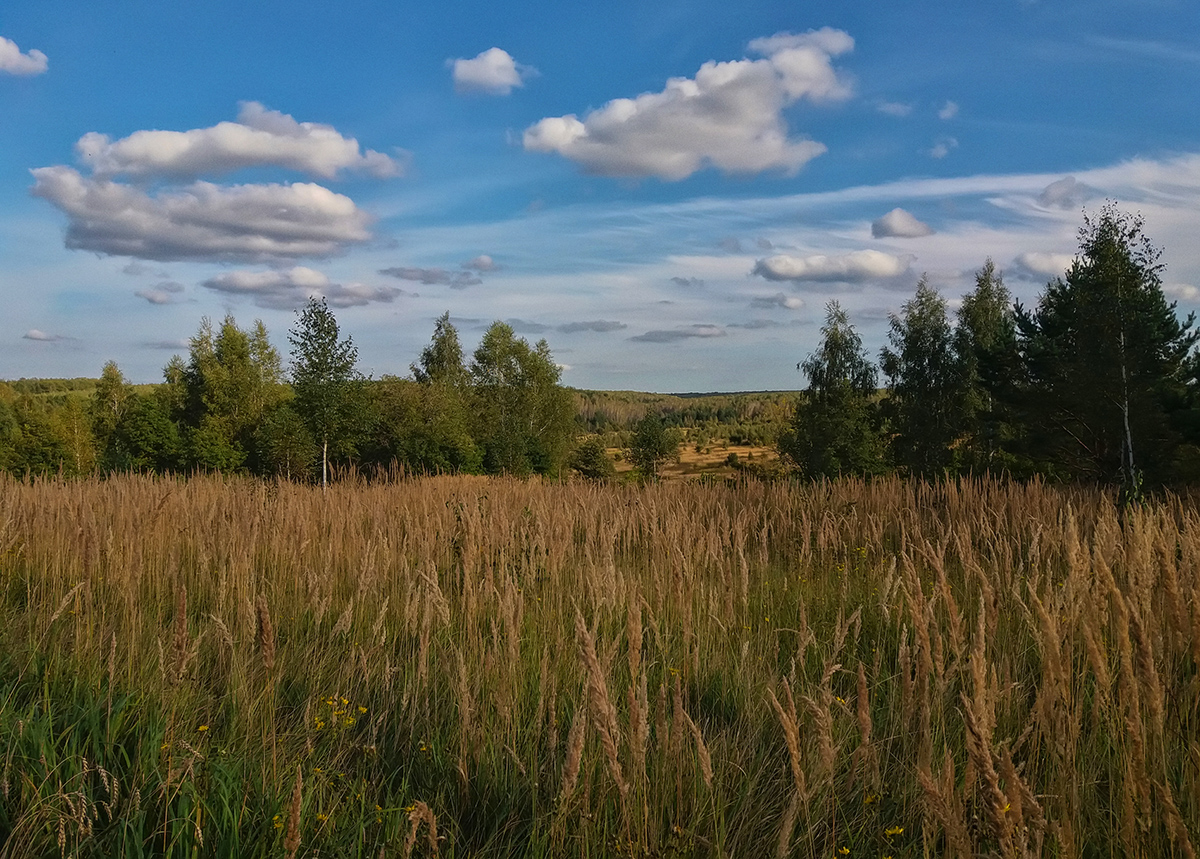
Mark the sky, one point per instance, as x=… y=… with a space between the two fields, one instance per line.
x=669 y=193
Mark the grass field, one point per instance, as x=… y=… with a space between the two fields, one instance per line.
x=474 y=667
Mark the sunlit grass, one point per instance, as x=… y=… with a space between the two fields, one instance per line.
x=861 y=669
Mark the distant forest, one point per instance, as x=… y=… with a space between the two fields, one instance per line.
x=1098 y=382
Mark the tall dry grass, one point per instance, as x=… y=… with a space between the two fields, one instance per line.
x=234 y=667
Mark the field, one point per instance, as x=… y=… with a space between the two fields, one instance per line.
x=489 y=667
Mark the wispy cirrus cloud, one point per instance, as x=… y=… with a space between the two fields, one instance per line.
x=729 y=116
x=602 y=326
x=434 y=276
x=42 y=336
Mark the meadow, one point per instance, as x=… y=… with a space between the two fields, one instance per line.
x=467 y=666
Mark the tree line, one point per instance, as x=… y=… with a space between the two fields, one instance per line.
x=1097 y=382
x=231 y=406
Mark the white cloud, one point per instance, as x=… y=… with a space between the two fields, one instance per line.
x=894 y=108
x=853 y=267
x=788 y=302
x=729 y=116
x=259 y=138
x=942 y=148
x=15 y=63
x=162 y=293
x=203 y=221
x=481 y=263
x=1048 y=264
x=494 y=72
x=41 y=336
x=290 y=288
x=949 y=110
x=684 y=333
x=1181 y=291
x=900 y=224
x=1066 y=193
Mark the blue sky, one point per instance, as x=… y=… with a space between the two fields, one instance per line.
x=669 y=193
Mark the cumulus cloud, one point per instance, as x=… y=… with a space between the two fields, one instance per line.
x=290 y=288
x=602 y=326
x=729 y=116
x=161 y=293
x=13 y=62
x=683 y=333
x=1046 y=264
x=779 y=299
x=901 y=225
x=259 y=138
x=494 y=72
x=434 y=276
x=41 y=336
x=481 y=263
x=942 y=148
x=1067 y=193
x=894 y=108
x=853 y=267
x=949 y=110
x=203 y=221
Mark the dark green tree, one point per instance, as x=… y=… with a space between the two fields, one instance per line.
x=985 y=341
x=232 y=377
x=1108 y=368
x=653 y=444
x=284 y=444
x=926 y=393
x=146 y=439
x=590 y=460
x=329 y=389
x=835 y=426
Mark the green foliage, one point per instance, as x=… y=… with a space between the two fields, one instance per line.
x=985 y=343
x=329 y=389
x=285 y=445
x=926 y=392
x=835 y=426
x=1106 y=366
x=232 y=378
x=524 y=419
x=653 y=445
x=590 y=459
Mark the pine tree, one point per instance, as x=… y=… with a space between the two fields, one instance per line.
x=1107 y=365
x=834 y=427
x=328 y=387
x=926 y=392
